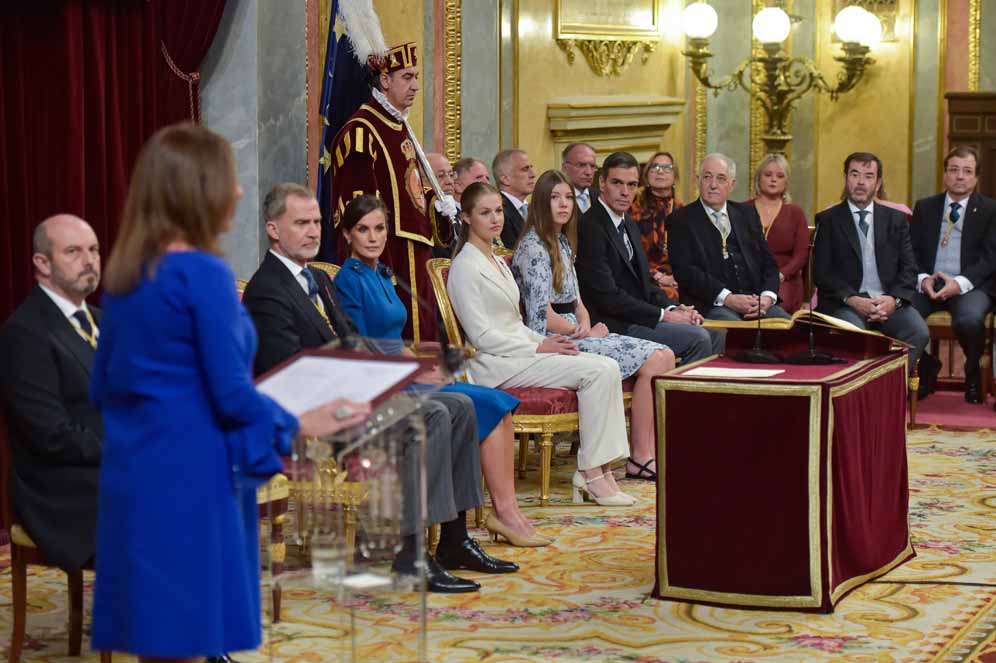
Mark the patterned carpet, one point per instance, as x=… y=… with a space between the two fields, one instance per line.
x=586 y=597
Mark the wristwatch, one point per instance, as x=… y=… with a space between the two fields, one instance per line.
x=899 y=302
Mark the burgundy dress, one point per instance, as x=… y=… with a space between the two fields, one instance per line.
x=788 y=238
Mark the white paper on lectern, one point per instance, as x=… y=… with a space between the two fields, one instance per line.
x=720 y=372
x=311 y=381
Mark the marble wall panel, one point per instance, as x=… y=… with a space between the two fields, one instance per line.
x=479 y=80
x=230 y=106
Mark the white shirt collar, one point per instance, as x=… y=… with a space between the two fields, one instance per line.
x=515 y=201
x=948 y=200
x=398 y=115
x=710 y=211
x=68 y=308
x=295 y=269
x=855 y=209
x=578 y=193
x=617 y=219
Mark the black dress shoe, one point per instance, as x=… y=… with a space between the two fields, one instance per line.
x=437 y=579
x=224 y=658
x=468 y=555
x=973 y=394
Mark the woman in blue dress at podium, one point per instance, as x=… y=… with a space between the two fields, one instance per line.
x=187 y=438
x=367 y=294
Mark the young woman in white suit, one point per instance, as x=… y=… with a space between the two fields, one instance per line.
x=485 y=298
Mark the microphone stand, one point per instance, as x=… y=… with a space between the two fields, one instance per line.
x=757 y=355
x=451 y=358
x=811 y=357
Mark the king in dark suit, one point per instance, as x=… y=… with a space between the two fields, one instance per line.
x=56 y=435
x=863 y=264
x=614 y=276
x=954 y=241
x=720 y=258
x=294 y=307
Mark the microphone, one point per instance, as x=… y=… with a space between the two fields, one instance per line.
x=757 y=355
x=811 y=357
x=451 y=358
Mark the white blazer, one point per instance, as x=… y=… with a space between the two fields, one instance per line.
x=486 y=301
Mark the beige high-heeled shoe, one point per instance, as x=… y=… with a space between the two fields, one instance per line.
x=581 y=492
x=498 y=528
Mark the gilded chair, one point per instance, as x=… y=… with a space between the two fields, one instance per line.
x=23 y=552
x=543 y=412
x=939 y=324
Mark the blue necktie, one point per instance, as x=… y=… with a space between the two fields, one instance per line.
x=862 y=223
x=583 y=202
x=524 y=210
x=954 y=215
x=312 y=285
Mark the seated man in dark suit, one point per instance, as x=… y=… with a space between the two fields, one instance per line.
x=515 y=178
x=614 y=276
x=294 y=307
x=954 y=241
x=47 y=348
x=863 y=264
x=721 y=260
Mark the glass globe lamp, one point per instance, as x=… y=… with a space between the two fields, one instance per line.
x=699 y=20
x=771 y=25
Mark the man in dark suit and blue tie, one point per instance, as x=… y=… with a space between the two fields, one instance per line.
x=720 y=257
x=56 y=434
x=954 y=241
x=864 y=265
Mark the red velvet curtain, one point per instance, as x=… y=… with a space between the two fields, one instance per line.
x=83 y=85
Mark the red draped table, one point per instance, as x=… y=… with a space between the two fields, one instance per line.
x=783 y=492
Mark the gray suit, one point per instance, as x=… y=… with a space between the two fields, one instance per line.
x=452 y=461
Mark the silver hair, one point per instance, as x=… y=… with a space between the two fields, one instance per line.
x=275 y=202
x=502 y=160
x=731 y=165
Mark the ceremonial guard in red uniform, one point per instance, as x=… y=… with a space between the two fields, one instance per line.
x=376 y=153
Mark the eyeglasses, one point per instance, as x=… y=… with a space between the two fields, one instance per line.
x=582 y=165
x=661 y=168
x=955 y=170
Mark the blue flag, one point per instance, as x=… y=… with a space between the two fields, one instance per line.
x=345 y=86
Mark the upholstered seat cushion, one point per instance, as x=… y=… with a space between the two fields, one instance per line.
x=548 y=401
x=545 y=401
x=943 y=319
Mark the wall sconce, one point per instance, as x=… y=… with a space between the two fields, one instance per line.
x=776 y=80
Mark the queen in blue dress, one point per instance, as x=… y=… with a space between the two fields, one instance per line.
x=365 y=289
x=187 y=438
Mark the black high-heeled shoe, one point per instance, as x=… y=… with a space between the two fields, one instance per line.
x=644 y=473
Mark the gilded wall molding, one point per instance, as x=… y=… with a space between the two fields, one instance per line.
x=755 y=146
x=974 y=50
x=451 y=82
x=701 y=122
x=607 y=57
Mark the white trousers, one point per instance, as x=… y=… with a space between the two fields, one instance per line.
x=600 y=402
